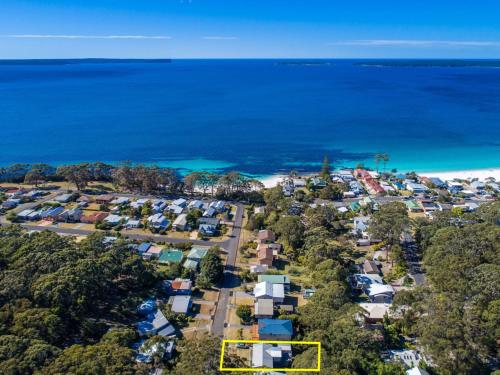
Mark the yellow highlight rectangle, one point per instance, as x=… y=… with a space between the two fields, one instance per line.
x=257 y=369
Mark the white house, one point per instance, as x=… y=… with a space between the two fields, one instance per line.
x=267 y=290
x=180 y=223
x=158 y=221
x=380 y=293
x=270 y=356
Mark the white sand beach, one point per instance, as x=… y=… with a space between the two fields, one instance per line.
x=272 y=181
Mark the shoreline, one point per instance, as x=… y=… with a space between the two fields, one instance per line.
x=468 y=174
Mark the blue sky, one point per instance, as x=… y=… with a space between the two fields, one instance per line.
x=249 y=28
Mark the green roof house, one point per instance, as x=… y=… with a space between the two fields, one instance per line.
x=171 y=256
x=276 y=279
x=194 y=257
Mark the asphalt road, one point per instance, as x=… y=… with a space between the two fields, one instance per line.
x=230 y=279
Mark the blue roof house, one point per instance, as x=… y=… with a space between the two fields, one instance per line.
x=275 y=329
x=147 y=307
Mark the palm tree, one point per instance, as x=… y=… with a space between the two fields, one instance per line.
x=385 y=159
x=378 y=157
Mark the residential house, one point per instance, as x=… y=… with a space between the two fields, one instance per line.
x=179 y=286
x=139 y=203
x=416 y=371
x=265 y=256
x=436 y=181
x=408 y=357
x=181 y=202
x=23 y=215
x=274 y=329
x=318 y=183
x=219 y=206
x=209 y=212
x=380 y=293
x=194 y=257
x=259 y=210
x=209 y=220
x=266 y=236
x=104 y=199
x=114 y=219
x=364 y=281
x=416 y=188
x=198 y=204
x=94 y=217
x=180 y=304
x=177 y=210
x=133 y=223
x=71 y=216
x=413 y=206
x=308 y=293
x=147 y=307
x=118 y=201
x=370 y=267
x=276 y=279
x=51 y=213
x=374 y=313
x=158 y=221
x=264 y=308
x=171 y=256
x=266 y=290
x=159 y=205
x=207 y=230
x=361 y=224
x=155 y=323
x=146 y=353
x=271 y=355
x=153 y=252
x=35 y=215
x=429 y=206
x=258 y=268
x=144 y=247
x=299 y=183
x=64 y=198
x=180 y=223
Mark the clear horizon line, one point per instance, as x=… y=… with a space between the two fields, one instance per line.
x=415 y=43
x=56 y=36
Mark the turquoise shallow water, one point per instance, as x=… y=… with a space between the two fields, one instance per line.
x=257 y=116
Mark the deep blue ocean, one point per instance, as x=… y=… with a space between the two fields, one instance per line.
x=256 y=116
